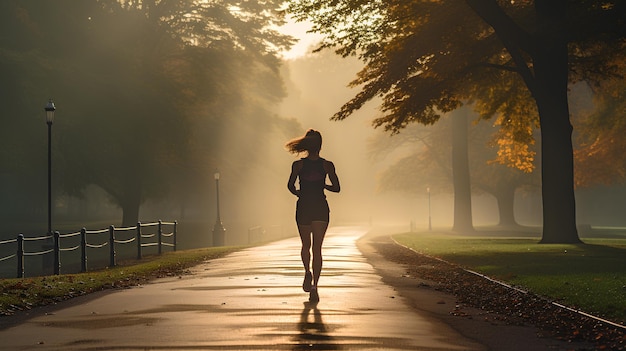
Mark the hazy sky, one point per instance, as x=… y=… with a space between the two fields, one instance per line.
x=317 y=88
x=299 y=30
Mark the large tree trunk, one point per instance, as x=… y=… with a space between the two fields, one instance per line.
x=557 y=159
x=557 y=174
x=506 y=206
x=460 y=172
x=547 y=80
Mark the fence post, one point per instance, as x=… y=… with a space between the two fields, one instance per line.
x=138 y=235
x=83 y=249
x=20 y=255
x=57 y=253
x=112 y=262
x=175 y=225
x=160 y=234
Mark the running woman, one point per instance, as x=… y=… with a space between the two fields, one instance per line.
x=312 y=211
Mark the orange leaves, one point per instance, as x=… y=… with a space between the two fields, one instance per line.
x=514 y=154
x=514 y=140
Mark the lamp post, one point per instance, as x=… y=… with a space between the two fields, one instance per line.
x=219 y=232
x=430 y=224
x=50 y=108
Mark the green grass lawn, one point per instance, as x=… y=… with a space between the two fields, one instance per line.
x=590 y=277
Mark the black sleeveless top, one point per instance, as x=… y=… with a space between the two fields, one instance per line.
x=312 y=178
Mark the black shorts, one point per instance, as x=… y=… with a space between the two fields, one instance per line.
x=312 y=210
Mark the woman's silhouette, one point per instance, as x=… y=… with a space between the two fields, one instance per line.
x=312 y=212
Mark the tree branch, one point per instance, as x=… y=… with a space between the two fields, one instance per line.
x=514 y=38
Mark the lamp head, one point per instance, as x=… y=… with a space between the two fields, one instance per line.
x=50 y=108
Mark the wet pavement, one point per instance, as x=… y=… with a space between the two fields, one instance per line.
x=249 y=300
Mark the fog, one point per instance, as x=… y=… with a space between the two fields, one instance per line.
x=317 y=87
x=316 y=90
x=144 y=119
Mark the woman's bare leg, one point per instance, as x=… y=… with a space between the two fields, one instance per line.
x=319 y=231
x=305 y=252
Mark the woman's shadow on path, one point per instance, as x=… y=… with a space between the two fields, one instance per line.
x=313 y=333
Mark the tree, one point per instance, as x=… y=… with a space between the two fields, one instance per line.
x=501 y=167
x=461 y=171
x=426 y=57
x=29 y=64
x=218 y=72
x=147 y=88
x=429 y=164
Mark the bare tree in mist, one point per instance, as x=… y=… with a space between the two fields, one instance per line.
x=461 y=171
x=151 y=96
x=425 y=58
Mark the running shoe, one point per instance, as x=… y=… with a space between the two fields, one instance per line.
x=314 y=296
x=308 y=279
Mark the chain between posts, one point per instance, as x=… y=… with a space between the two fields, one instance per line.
x=56 y=248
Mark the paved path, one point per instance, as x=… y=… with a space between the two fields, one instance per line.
x=249 y=300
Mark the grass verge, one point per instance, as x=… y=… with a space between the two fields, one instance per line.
x=21 y=294
x=590 y=277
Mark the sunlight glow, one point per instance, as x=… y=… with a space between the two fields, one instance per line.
x=306 y=41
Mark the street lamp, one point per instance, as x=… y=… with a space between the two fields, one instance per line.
x=219 y=232
x=50 y=108
x=430 y=224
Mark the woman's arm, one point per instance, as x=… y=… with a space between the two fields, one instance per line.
x=291 y=184
x=332 y=176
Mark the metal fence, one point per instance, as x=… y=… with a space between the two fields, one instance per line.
x=140 y=235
